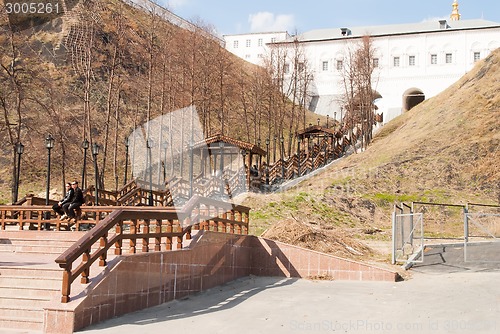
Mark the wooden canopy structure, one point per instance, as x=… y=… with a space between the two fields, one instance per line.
x=219 y=147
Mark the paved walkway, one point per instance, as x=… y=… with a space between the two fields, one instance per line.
x=430 y=302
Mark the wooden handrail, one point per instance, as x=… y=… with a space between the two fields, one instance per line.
x=170 y=223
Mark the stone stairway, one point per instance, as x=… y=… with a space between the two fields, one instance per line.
x=31 y=280
x=29 y=277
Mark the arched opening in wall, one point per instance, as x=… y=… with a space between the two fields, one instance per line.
x=411 y=98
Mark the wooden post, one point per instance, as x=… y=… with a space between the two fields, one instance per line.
x=66 y=286
x=86 y=271
x=145 y=241
x=158 y=239
x=102 y=244
x=118 y=243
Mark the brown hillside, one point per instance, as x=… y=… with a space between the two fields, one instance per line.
x=445 y=150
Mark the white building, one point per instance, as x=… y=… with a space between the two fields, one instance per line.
x=253 y=47
x=413 y=61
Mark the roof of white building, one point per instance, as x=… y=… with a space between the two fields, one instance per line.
x=395 y=29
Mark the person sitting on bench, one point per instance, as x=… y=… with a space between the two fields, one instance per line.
x=58 y=207
x=75 y=204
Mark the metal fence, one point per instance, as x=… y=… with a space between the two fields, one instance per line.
x=407 y=235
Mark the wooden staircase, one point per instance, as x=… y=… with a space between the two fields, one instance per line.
x=29 y=277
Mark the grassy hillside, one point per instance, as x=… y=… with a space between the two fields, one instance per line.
x=445 y=150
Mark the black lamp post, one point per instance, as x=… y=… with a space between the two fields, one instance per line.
x=318 y=121
x=274 y=149
x=149 y=145
x=245 y=169
x=191 y=172
x=267 y=166
x=85 y=146
x=298 y=155
x=282 y=141
x=221 y=147
x=95 y=153
x=267 y=150
x=19 y=150
x=260 y=156
x=49 y=144
x=127 y=144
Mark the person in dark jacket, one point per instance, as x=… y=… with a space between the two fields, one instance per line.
x=78 y=200
x=58 y=207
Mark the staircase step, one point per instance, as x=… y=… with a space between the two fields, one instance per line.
x=17 y=323
x=32 y=273
x=30 y=282
x=28 y=293
x=26 y=312
x=35 y=302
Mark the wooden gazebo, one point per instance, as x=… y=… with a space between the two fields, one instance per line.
x=216 y=148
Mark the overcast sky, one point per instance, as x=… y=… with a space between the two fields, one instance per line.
x=244 y=16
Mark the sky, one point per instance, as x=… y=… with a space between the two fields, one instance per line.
x=298 y=16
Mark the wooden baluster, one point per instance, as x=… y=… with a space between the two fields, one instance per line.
x=86 y=271
x=66 y=286
x=178 y=229
x=21 y=223
x=103 y=243
x=247 y=222
x=158 y=238
x=118 y=243
x=231 y=225
x=222 y=225
x=145 y=240
x=187 y=222
x=3 y=219
x=168 y=230
x=133 y=235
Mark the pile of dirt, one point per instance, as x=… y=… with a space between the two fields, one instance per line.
x=328 y=240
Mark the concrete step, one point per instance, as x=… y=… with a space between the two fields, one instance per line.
x=32 y=273
x=25 y=302
x=25 y=312
x=27 y=293
x=21 y=324
x=30 y=282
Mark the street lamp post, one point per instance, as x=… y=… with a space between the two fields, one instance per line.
x=245 y=169
x=191 y=172
x=19 y=150
x=298 y=155
x=85 y=146
x=49 y=144
x=282 y=141
x=149 y=145
x=260 y=156
x=221 y=166
x=95 y=153
x=127 y=144
x=267 y=156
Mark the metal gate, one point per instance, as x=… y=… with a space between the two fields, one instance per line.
x=407 y=237
x=481 y=237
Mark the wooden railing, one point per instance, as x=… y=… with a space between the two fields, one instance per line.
x=155 y=228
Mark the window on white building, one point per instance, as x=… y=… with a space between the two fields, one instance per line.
x=340 y=65
x=300 y=67
x=396 y=62
x=434 y=59
x=477 y=56
x=286 y=68
x=235 y=44
x=375 y=62
x=249 y=43
x=411 y=61
x=260 y=42
x=260 y=55
x=324 y=66
x=449 y=58
x=273 y=40
x=247 y=56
